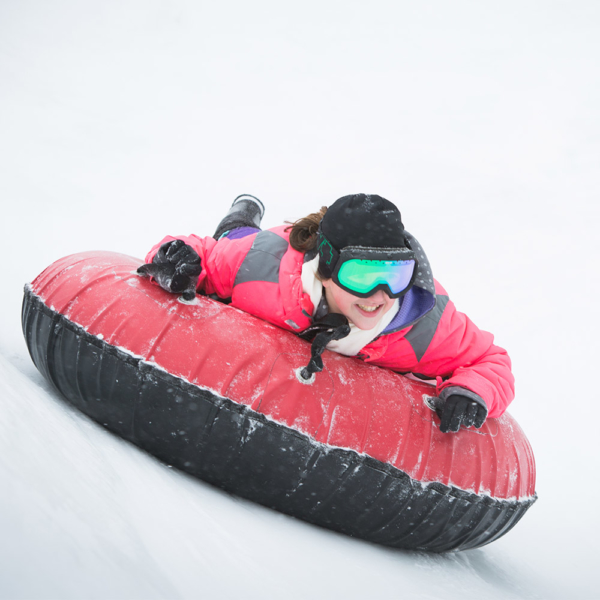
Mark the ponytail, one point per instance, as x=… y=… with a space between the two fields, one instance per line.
x=303 y=232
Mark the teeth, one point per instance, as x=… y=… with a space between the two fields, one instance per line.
x=368 y=308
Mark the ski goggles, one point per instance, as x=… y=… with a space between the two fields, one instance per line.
x=363 y=271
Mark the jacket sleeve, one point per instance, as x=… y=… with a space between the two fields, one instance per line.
x=259 y=273
x=460 y=355
x=220 y=260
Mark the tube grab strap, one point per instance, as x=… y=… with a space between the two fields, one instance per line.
x=331 y=327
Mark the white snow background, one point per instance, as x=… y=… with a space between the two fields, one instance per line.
x=123 y=121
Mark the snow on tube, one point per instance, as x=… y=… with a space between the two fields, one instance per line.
x=214 y=392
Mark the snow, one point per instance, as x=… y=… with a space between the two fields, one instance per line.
x=124 y=121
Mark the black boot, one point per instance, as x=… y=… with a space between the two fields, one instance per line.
x=246 y=211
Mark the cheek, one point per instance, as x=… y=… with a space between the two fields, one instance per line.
x=344 y=299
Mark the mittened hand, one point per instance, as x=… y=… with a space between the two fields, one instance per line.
x=176 y=268
x=459 y=410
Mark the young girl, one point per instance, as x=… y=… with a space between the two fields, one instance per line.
x=353 y=272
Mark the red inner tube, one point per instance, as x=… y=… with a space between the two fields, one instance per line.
x=351 y=405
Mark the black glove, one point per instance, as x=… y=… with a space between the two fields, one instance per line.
x=459 y=410
x=176 y=268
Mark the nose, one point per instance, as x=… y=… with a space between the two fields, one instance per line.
x=378 y=297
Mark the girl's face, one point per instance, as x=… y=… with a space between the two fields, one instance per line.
x=365 y=313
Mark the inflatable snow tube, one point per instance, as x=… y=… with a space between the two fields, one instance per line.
x=214 y=392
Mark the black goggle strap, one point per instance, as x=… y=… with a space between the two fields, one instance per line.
x=328 y=255
x=384 y=254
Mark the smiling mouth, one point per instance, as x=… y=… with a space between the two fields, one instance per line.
x=369 y=309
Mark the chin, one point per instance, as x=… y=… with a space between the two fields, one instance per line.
x=365 y=325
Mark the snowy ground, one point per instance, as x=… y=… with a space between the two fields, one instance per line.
x=122 y=121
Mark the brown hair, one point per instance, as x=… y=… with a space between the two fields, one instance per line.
x=303 y=232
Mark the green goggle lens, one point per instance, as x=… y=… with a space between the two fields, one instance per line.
x=362 y=276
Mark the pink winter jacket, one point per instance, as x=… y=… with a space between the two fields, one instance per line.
x=428 y=337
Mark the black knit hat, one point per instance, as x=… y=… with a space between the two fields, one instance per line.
x=363 y=220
